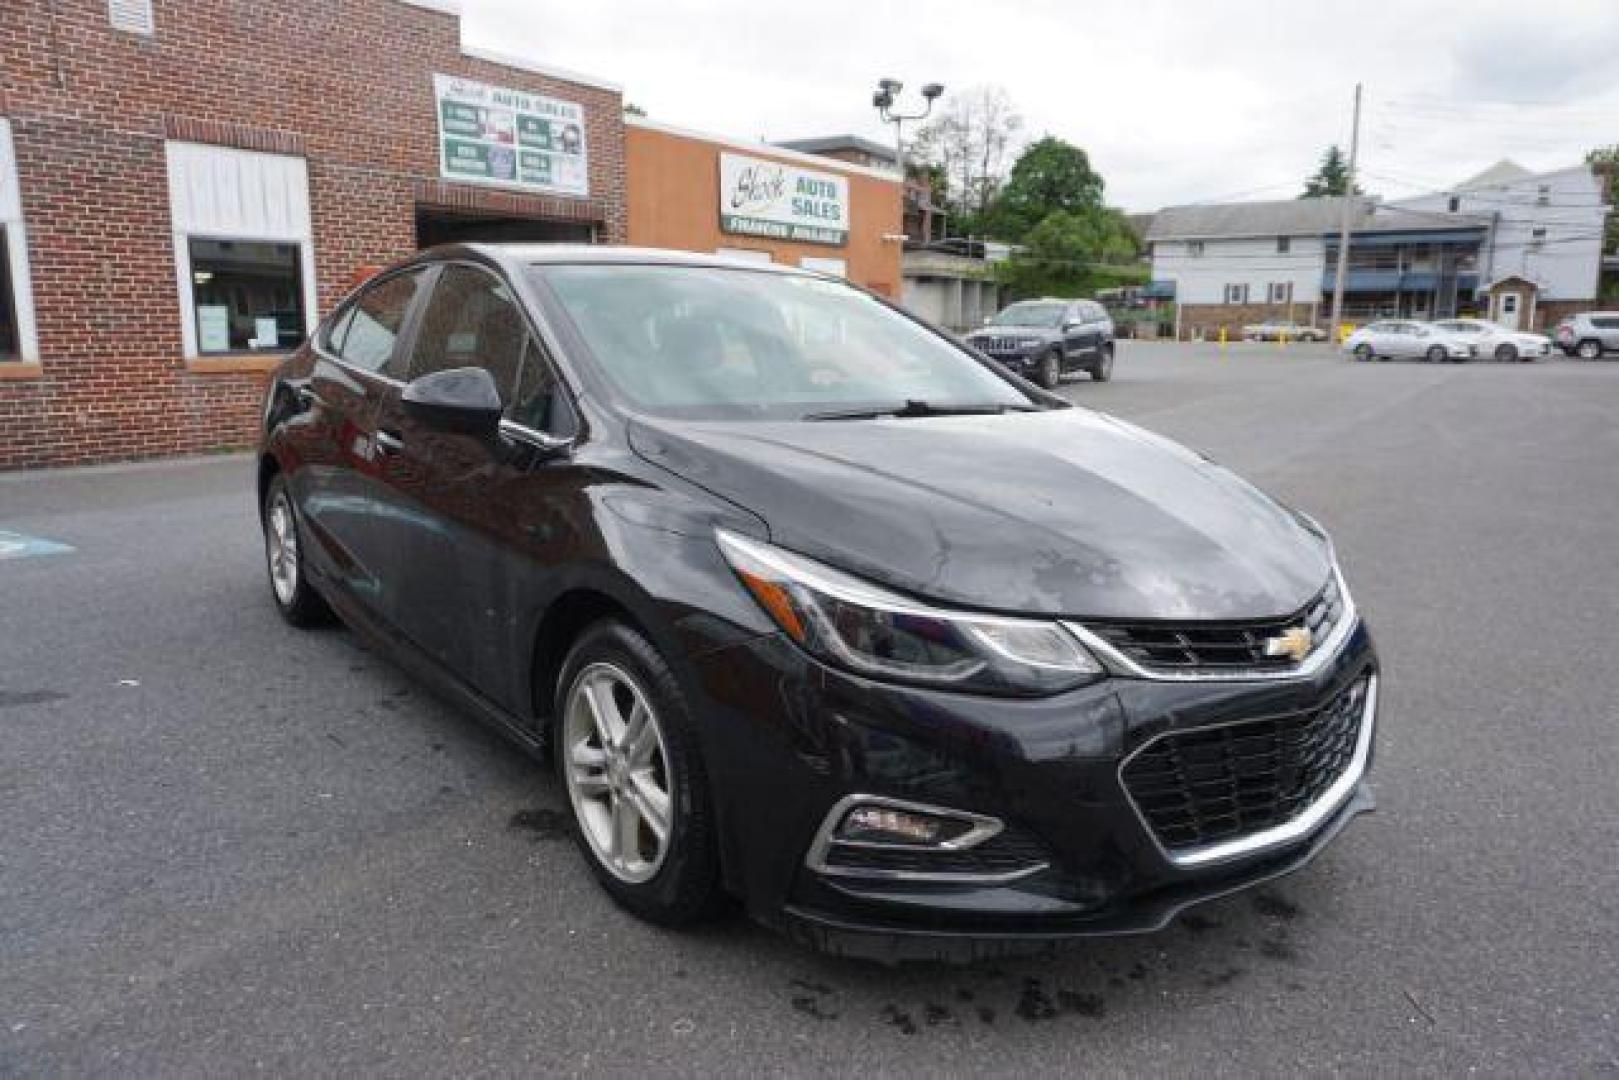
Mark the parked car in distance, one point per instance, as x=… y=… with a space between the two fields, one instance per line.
x=1497 y=341
x=1283 y=331
x=1589 y=334
x=811 y=605
x=1042 y=339
x=1408 y=339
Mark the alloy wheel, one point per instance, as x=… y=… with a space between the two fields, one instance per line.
x=281 y=547
x=1506 y=353
x=1590 y=350
x=617 y=772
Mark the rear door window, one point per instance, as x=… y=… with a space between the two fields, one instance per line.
x=371 y=332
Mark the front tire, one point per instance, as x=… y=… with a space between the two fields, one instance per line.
x=627 y=755
x=1102 y=370
x=295 y=598
x=1589 y=350
x=1506 y=353
x=1050 y=371
x=1438 y=355
x=1363 y=353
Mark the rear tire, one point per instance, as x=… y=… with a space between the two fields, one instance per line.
x=1589 y=349
x=295 y=598
x=652 y=773
x=1506 y=353
x=1050 y=372
x=1363 y=353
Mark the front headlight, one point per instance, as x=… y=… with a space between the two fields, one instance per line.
x=853 y=624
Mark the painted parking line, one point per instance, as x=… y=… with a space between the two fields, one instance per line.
x=15 y=545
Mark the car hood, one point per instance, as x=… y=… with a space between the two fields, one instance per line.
x=1067 y=512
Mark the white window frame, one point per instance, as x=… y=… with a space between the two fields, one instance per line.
x=1284 y=245
x=1236 y=294
x=1281 y=292
x=11 y=220
x=1194 y=249
x=254 y=214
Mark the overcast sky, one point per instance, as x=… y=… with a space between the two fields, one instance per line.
x=1175 y=101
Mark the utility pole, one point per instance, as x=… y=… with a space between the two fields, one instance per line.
x=883 y=100
x=1343 y=230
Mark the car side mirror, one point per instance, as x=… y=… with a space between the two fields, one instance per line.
x=1072 y=324
x=460 y=399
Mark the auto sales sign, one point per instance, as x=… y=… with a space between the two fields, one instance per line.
x=767 y=198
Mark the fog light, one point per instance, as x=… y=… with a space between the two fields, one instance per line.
x=888 y=825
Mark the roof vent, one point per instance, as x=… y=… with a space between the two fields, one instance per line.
x=131 y=16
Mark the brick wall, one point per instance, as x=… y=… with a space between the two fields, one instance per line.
x=347 y=85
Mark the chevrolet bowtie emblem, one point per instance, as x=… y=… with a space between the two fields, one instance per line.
x=1294 y=643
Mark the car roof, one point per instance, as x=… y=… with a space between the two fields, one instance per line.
x=516 y=256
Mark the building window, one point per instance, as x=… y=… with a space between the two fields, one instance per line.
x=131 y=16
x=1236 y=294
x=1281 y=292
x=1537 y=239
x=243 y=248
x=247 y=295
x=1194 y=248
x=1284 y=244
x=1455 y=203
x=1543 y=196
x=10 y=340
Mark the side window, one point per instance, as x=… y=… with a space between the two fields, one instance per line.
x=471 y=320
x=540 y=402
x=369 y=334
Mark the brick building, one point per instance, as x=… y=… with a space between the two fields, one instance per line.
x=761 y=201
x=186 y=186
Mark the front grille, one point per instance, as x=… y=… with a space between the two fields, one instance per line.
x=1010 y=851
x=1211 y=784
x=1221 y=646
x=1002 y=344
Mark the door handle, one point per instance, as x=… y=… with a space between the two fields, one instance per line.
x=388 y=442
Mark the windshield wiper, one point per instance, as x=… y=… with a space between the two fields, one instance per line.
x=917 y=407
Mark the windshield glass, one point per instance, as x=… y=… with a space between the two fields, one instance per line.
x=1030 y=313
x=711 y=343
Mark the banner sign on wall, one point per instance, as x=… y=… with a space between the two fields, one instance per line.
x=767 y=198
x=491 y=135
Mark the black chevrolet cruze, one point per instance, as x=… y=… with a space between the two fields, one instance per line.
x=812 y=606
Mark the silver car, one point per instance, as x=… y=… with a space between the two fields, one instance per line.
x=1408 y=339
x=1498 y=341
x=1589 y=335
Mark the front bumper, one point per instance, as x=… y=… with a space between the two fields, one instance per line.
x=794 y=738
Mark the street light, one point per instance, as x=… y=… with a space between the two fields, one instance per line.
x=883 y=98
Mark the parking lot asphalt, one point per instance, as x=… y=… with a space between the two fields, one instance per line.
x=230 y=845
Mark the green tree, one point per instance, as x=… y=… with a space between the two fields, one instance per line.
x=1331 y=177
x=1049 y=176
x=1604 y=161
x=1070 y=253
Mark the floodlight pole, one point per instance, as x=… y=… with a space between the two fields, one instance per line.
x=1343 y=229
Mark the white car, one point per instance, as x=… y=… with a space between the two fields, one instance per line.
x=1282 y=331
x=1498 y=341
x=1408 y=339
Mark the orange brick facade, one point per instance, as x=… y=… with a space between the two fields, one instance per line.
x=674 y=202
x=347 y=86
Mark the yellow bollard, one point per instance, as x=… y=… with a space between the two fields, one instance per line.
x=1222 y=341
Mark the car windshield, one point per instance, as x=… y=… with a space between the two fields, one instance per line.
x=1031 y=313
x=729 y=344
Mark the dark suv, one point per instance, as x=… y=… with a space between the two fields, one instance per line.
x=1041 y=339
x=811 y=605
